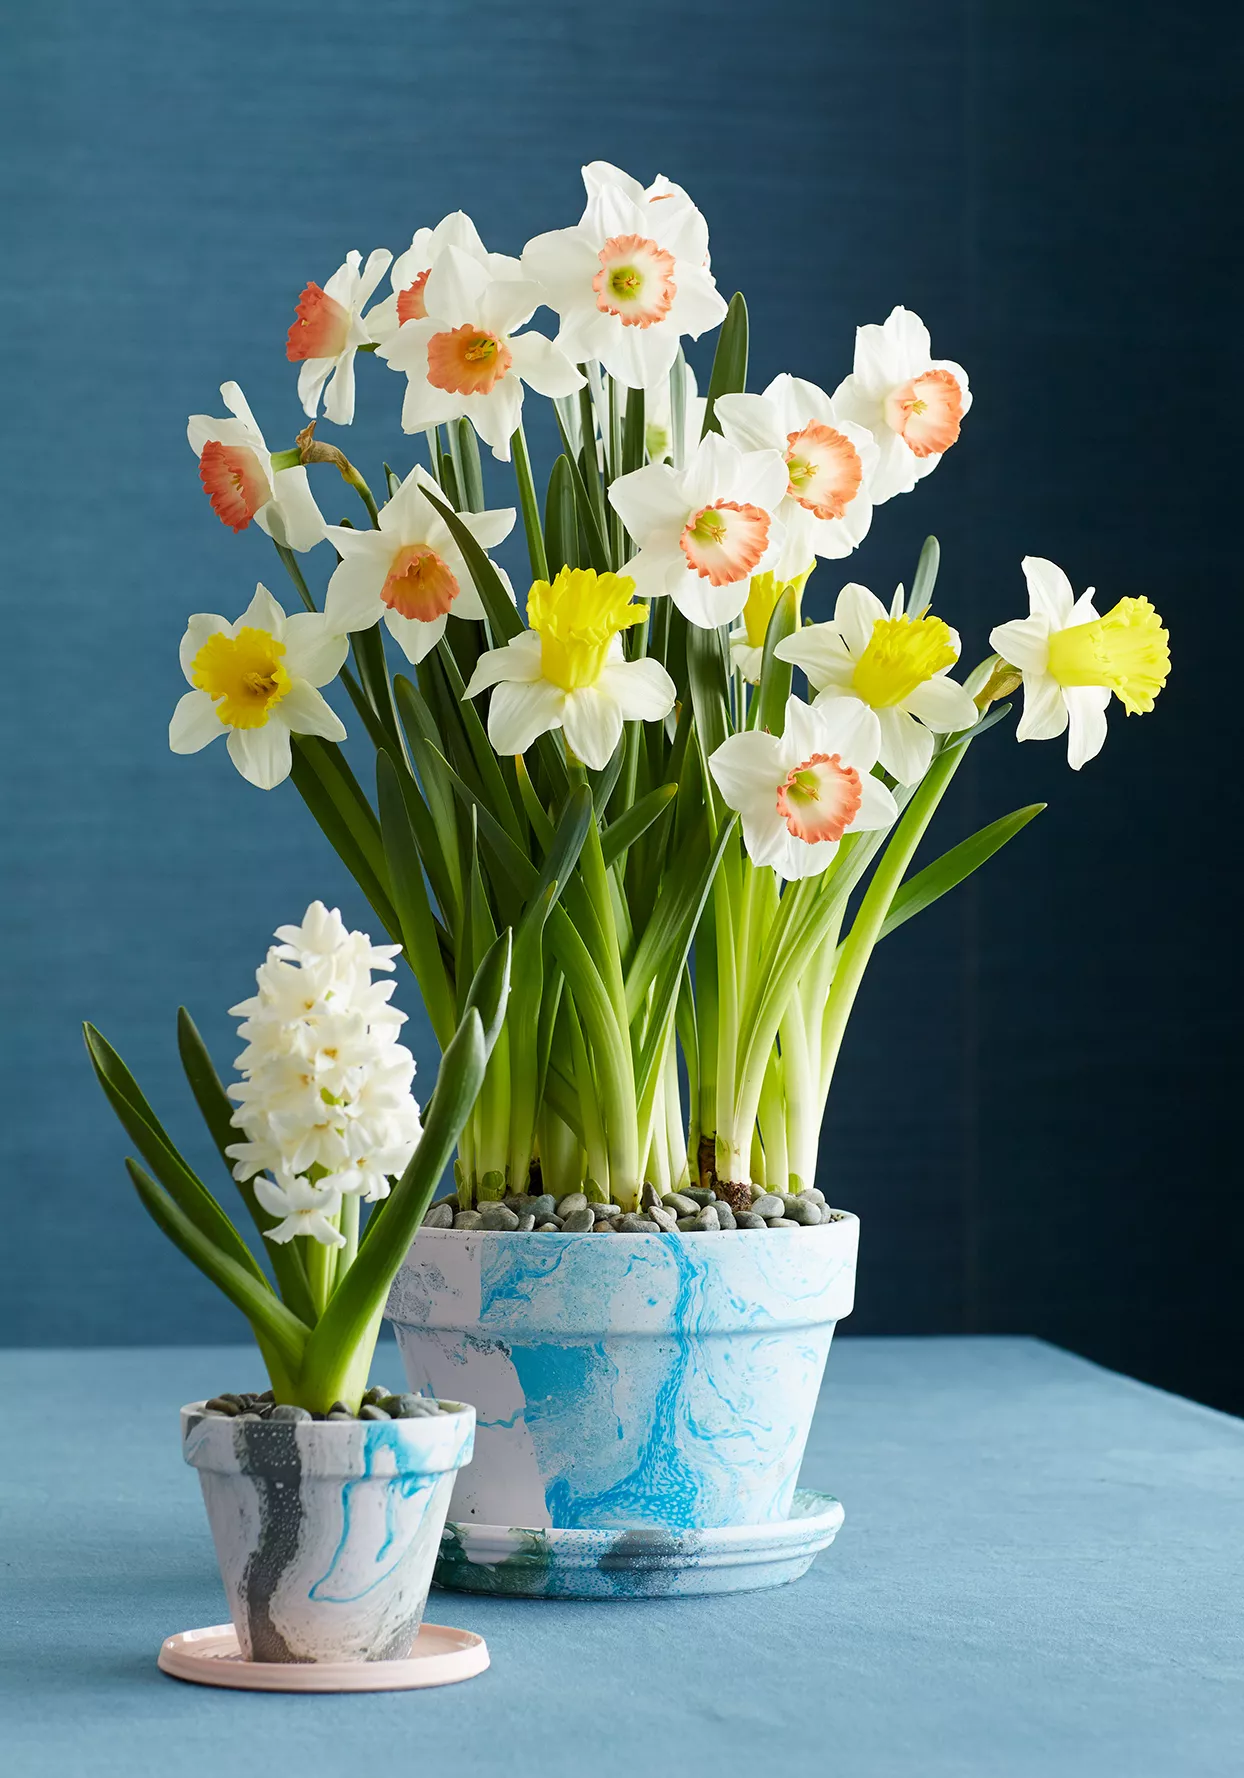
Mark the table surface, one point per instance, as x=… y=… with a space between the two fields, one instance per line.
x=1039 y=1577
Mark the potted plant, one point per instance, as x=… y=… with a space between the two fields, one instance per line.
x=637 y=1278
x=326 y=1499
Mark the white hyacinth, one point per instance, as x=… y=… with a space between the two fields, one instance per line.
x=324 y=1101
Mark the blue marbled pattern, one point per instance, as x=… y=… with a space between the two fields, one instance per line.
x=625 y=1381
x=326 y=1532
x=638 y=1564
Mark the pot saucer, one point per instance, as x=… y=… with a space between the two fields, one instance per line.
x=440 y=1656
x=647 y=1561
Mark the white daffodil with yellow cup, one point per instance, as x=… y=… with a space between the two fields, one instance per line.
x=691 y=853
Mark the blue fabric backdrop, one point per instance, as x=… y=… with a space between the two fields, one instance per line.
x=1031 y=1114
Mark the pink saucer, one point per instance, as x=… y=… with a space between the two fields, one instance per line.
x=440 y=1656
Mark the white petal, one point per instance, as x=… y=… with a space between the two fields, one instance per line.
x=519 y=713
x=856 y=614
x=943 y=706
x=642 y=690
x=455 y=287
x=795 y=859
x=651 y=503
x=315 y=650
x=414 y=637
x=308 y=713
x=509 y=303
x=517 y=663
x=750 y=422
x=844 y=725
x=194 y=723
x=906 y=746
x=263 y=613
x=262 y=755
x=747 y=769
x=542 y=367
x=1024 y=642
x=490 y=528
x=339 y=395
x=640 y=357
x=705 y=605
x=564 y=263
x=312 y=377
x=1086 y=712
x=496 y=416
x=291 y=517
x=1049 y=590
x=592 y=725
x=353 y=600
x=202 y=625
x=822 y=654
x=1045 y=709
x=877 y=806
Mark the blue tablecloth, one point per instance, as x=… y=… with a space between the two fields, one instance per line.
x=1039 y=1577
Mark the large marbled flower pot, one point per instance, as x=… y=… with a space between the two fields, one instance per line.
x=627 y=1382
x=327 y=1531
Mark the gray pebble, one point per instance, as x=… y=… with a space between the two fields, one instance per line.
x=440 y=1216
x=376 y=1392
x=498 y=1217
x=339 y=1407
x=468 y=1219
x=699 y=1194
x=542 y=1207
x=758 y=1191
x=339 y=1414
x=571 y=1203
x=649 y=1196
x=552 y=1226
x=631 y=1224
x=580 y=1220
x=525 y=1223
x=804 y=1211
x=769 y=1206
x=687 y=1223
x=707 y=1219
x=221 y=1404
x=747 y=1219
x=817 y=1196
x=680 y=1204
x=409 y=1407
x=606 y=1226
x=725 y=1215
x=664 y=1219
x=286 y=1411
x=784 y=1222
x=371 y=1410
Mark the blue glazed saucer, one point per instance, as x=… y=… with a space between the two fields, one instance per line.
x=643 y=1563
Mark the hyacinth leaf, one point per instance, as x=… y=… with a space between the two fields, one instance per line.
x=925 y=578
x=561 y=523
x=216 y=1107
x=339 y=1346
x=729 y=374
x=769 y=709
x=274 y=1324
x=946 y=872
x=621 y=834
x=421 y=944
x=144 y=1129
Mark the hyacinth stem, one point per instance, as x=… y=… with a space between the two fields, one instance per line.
x=350 y=1229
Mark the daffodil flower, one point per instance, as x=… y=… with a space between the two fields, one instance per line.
x=306 y=1207
x=911 y=403
x=568 y=671
x=255 y=680
x=1072 y=660
x=892 y=665
x=329 y=329
x=410 y=572
x=630 y=279
x=464 y=358
x=829 y=461
x=408 y=276
x=235 y=467
x=705 y=530
x=799 y=792
x=747 y=643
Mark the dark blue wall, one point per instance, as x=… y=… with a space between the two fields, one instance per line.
x=1032 y=1112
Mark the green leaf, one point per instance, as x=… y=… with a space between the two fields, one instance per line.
x=503 y=617
x=217 y=1110
x=328 y=787
x=492 y=783
x=490 y=986
x=926 y=578
x=467 y=466
x=729 y=375
x=929 y=884
x=419 y=935
x=144 y=1129
x=622 y=833
x=561 y=525
x=675 y=917
x=775 y=675
x=274 y=1324
x=706 y=670
x=633 y=431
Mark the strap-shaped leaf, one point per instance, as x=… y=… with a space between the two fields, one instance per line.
x=946 y=872
x=144 y=1129
x=674 y=918
x=410 y=896
x=775 y=675
x=561 y=524
x=503 y=618
x=729 y=374
x=622 y=833
x=274 y=1324
x=925 y=579
x=496 y=791
x=216 y=1107
x=354 y=838
x=633 y=431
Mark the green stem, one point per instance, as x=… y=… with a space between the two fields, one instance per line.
x=350 y=1229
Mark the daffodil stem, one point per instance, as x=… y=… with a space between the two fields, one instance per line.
x=530 y=506
x=295 y=573
x=353 y=689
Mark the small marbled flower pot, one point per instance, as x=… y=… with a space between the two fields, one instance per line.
x=327 y=1531
x=627 y=1381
